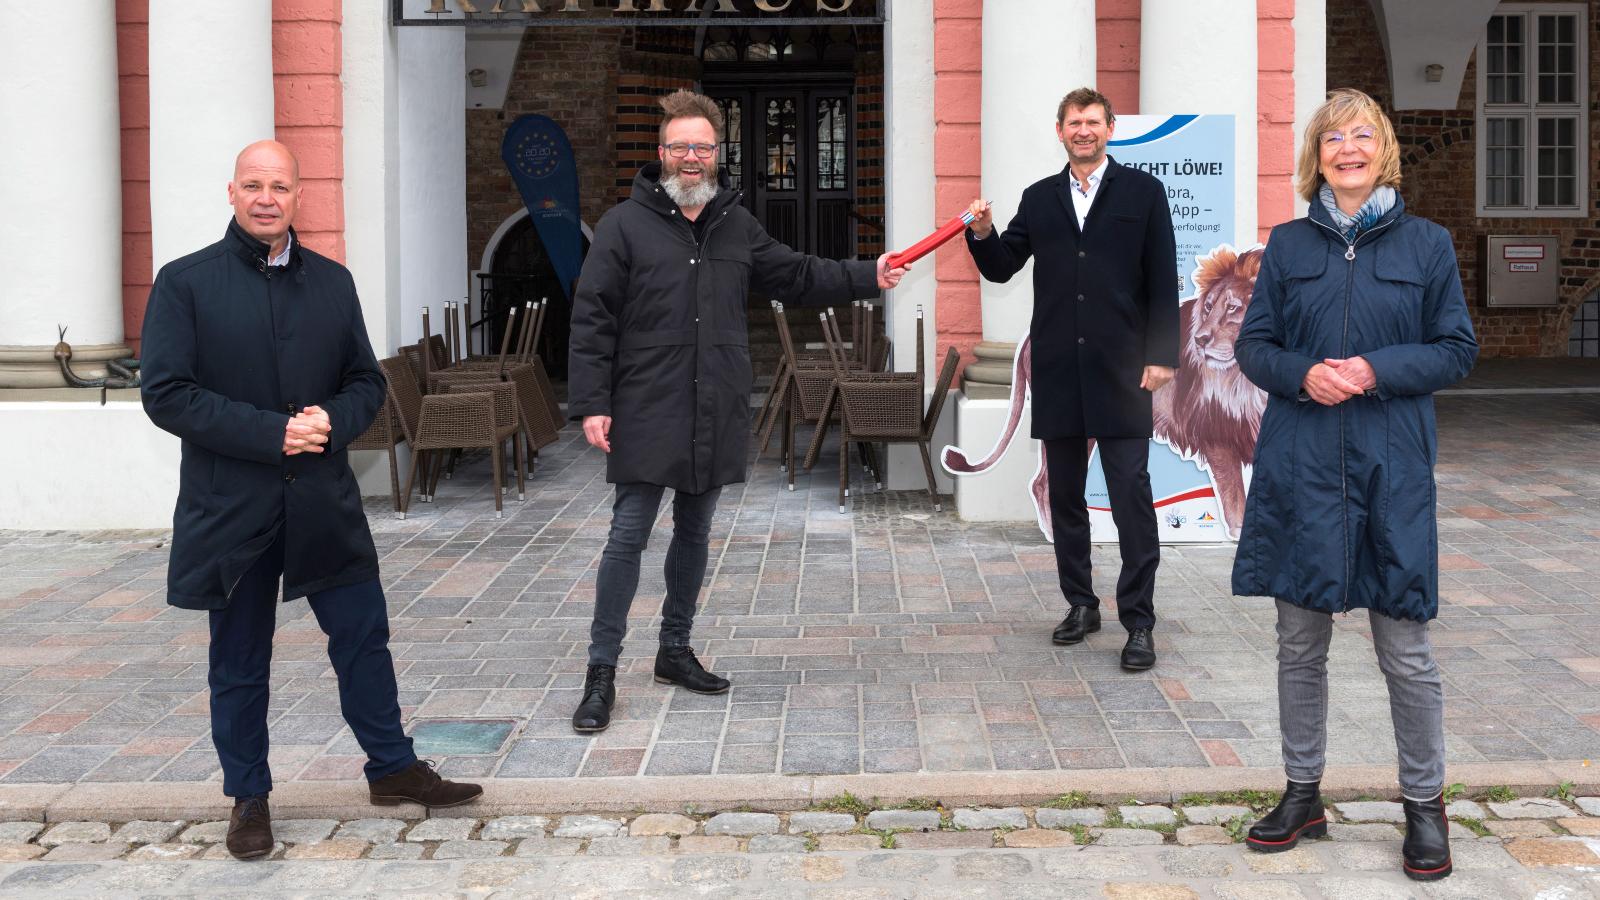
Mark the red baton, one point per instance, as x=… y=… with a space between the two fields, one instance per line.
x=928 y=244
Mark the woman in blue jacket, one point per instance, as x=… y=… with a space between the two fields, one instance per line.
x=1357 y=318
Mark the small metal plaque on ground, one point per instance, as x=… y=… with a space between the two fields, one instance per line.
x=460 y=737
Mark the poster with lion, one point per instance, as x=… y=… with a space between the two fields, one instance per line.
x=1206 y=420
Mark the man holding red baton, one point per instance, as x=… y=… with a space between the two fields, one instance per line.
x=1104 y=338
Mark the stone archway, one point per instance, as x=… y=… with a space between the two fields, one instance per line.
x=514 y=269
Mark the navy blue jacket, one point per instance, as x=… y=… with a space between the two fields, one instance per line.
x=1341 y=506
x=1105 y=299
x=230 y=351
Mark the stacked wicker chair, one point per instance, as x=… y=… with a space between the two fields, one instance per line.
x=484 y=416
x=882 y=408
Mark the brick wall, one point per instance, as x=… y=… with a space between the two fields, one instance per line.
x=870 y=142
x=133 y=78
x=570 y=75
x=1438 y=162
x=957 y=165
x=308 y=97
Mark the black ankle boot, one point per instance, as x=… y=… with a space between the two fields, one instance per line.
x=1298 y=815
x=678 y=665
x=599 y=693
x=1427 y=846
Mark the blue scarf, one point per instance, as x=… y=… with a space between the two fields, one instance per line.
x=1381 y=201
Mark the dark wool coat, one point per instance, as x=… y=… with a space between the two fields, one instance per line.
x=659 y=336
x=1341 y=506
x=231 y=350
x=1105 y=299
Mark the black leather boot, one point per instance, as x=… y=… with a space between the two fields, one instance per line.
x=678 y=665
x=1427 y=846
x=1080 y=622
x=599 y=693
x=1299 y=814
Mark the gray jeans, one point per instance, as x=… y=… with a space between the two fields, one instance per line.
x=1416 y=696
x=632 y=516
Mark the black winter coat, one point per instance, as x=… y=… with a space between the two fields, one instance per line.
x=660 y=340
x=1105 y=299
x=231 y=350
x=1342 y=499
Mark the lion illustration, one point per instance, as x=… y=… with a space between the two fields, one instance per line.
x=1210 y=412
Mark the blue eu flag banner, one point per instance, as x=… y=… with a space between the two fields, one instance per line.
x=539 y=156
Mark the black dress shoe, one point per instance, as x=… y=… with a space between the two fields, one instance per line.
x=599 y=693
x=1078 y=623
x=1139 y=653
x=1299 y=814
x=678 y=665
x=1427 y=846
x=250 y=828
x=419 y=783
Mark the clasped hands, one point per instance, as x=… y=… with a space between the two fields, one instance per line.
x=1334 y=381
x=306 y=432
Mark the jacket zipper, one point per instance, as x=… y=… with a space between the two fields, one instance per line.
x=700 y=257
x=1344 y=338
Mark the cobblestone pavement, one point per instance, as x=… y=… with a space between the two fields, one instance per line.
x=1514 y=848
x=891 y=640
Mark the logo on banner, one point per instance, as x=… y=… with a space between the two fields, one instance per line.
x=539 y=157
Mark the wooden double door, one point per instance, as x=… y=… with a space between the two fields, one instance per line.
x=790 y=148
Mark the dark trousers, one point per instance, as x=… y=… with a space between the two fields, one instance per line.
x=1125 y=461
x=356 y=622
x=632 y=516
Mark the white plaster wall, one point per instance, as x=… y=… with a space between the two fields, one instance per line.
x=1201 y=58
x=371 y=193
x=432 y=187
x=1034 y=52
x=60 y=175
x=1417 y=33
x=210 y=63
x=910 y=212
x=103 y=467
x=1001 y=494
x=1310 y=71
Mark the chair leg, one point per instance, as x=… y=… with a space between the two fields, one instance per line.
x=436 y=461
x=450 y=468
x=411 y=475
x=394 y=477
x=522 y=483
x=824 y=419
x=788 y=437
x=844 y=466
x=494 y=455
x=780 y=405
x=927 y=469
x=772 y=396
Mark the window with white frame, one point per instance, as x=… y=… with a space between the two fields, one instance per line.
x=1533 y=124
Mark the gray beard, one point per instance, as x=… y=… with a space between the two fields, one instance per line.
x=689 y=197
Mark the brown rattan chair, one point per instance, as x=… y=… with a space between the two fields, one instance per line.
x=451 y=421
x=883 y=408
x=383 y=434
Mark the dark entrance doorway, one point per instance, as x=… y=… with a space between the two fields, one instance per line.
x=520 y=273
x=789 y=149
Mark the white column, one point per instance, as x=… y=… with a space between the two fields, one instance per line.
x=1310 y=71
x=432 y=194
x=1034 y=52
x=61 y=177
x=1201 y=58
x=210 y=95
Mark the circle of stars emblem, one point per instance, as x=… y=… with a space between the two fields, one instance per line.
x=537 y=155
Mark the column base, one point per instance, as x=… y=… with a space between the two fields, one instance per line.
x=36 y=366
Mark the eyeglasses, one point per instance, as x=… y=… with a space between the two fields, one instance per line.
x=1363 y=137
x=702 y=151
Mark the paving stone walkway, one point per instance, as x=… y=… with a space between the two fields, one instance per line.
x=1502 y=848
x=891 y=640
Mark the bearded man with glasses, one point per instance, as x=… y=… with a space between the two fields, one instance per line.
x=659 y=374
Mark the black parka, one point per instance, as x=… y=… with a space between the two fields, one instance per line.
x=1105 y=299
x=231 y=350
x=660 y=340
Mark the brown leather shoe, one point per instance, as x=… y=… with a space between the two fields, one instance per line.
x=250 y=829
x=421 y=784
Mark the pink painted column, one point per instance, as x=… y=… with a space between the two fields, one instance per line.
x=1117 y=53
x=133 y=90
x=306 y=63
x=957 y=109
x=1275 y=114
